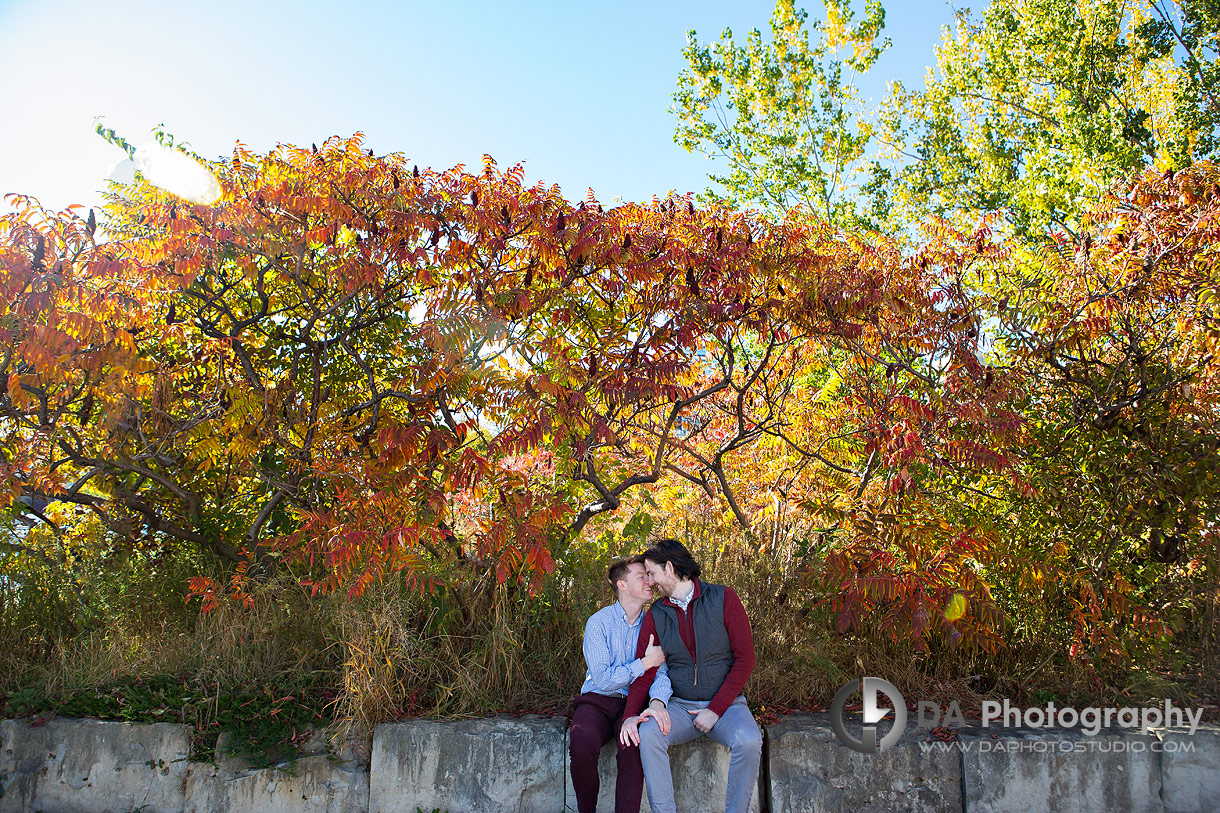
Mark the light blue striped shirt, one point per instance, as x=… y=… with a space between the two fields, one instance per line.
x=610 y=661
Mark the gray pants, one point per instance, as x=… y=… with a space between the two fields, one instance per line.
x=735 y=729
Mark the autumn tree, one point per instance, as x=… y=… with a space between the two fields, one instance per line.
x=1032 y=130
x=321 y=363
x=1124 y=428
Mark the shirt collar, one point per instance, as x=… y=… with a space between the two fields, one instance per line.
x=618 y=607
x=694 y=594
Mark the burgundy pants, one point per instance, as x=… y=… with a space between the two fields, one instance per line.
x=595 y=721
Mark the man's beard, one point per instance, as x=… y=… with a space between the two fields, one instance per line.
x=659 y=591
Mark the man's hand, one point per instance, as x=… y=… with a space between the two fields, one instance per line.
x=629 y=734
x=654 y=656
x=657 y=711
x=705 y=719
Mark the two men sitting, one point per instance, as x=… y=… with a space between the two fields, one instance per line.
x=687 y=659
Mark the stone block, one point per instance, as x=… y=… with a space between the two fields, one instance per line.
x=499 y=764
x=309 y=785
x=92 y=766
x=313 y=783
x=1051 y=769
x=1190 y=770
x=700 y=769
x=812 y=771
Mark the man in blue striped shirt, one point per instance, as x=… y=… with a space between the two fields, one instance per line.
x=611 y=636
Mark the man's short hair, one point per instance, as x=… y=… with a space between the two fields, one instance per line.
x=671 y=551
x=618 y=569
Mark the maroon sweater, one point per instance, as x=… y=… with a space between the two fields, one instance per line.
x=741 y=639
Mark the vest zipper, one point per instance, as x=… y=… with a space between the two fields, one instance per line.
x=694 y=633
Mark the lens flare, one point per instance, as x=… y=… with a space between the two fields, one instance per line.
x=177 y=173
x=956 y=607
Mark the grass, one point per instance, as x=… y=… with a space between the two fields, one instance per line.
x=126 y=646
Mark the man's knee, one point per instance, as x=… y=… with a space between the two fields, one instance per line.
x=626 y=756
x=584 y=738
x=746 y=740
x=584 y=747
x=651 y=736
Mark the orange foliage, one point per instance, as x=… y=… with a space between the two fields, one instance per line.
x=346 y=349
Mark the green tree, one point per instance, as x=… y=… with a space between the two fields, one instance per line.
x=785 y=113
x=1037 y=107
x=1194 y=26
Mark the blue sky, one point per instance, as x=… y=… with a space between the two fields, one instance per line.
x=578 y=91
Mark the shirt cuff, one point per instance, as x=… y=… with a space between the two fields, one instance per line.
x=660 y=694
x=635 y=668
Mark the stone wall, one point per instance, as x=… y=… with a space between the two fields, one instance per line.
x=811 y=770
x=520 y=764
x=317 y=782
x=89 y=766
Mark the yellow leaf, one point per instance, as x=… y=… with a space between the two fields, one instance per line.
x=956 y=607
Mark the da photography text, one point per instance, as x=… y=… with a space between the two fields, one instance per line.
x=1091 y=719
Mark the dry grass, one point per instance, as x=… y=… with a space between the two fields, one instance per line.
x=234 y=646
x=402 y=656
x=802 y=659
x=483 y=648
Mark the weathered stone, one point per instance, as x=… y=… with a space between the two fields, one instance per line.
x=1190 y=770
x=473 y=766
x=701 y=773
x=504 y=764
x=310 y=785
x=317 y=742
x=351 y=748
x=1049 y=769
x=812 y=771
x=88 y=765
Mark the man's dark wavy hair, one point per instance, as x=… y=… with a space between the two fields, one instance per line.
x=671 y=551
